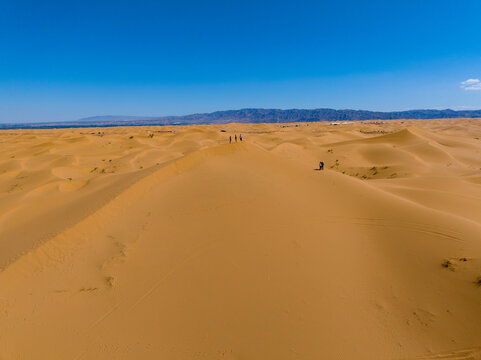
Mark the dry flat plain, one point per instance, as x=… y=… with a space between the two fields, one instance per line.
x=171 y=243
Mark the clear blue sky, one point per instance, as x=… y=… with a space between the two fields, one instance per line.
x=63 y=60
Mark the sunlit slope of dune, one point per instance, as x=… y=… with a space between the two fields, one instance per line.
x=409 y=152
x=242 y=252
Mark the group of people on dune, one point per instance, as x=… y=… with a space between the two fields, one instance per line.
x=235 y=137
x=321 y=164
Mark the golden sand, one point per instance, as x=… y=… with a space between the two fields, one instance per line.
x=171 y=243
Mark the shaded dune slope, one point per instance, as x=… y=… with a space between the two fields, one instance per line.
x=47 y=185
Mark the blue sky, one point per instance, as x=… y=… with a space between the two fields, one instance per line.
x=64 y=60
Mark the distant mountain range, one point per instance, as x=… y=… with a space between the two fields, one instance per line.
x=254 y=116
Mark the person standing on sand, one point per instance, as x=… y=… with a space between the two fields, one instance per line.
x=321 y=165
x=240 y=137
x=230 y=139
x=235 y=137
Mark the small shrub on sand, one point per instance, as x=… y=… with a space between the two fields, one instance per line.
x=89 y=289
x=478 y=281
x=446 y=264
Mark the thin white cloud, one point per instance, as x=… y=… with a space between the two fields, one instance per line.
x=464 y=107
x=471 y=84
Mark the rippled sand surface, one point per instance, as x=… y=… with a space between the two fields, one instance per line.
x=172 y=243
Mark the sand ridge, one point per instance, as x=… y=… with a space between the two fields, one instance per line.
x=169 y=242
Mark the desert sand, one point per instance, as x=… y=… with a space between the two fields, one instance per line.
x=171 y=243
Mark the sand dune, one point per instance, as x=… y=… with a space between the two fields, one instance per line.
x=171 y=243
